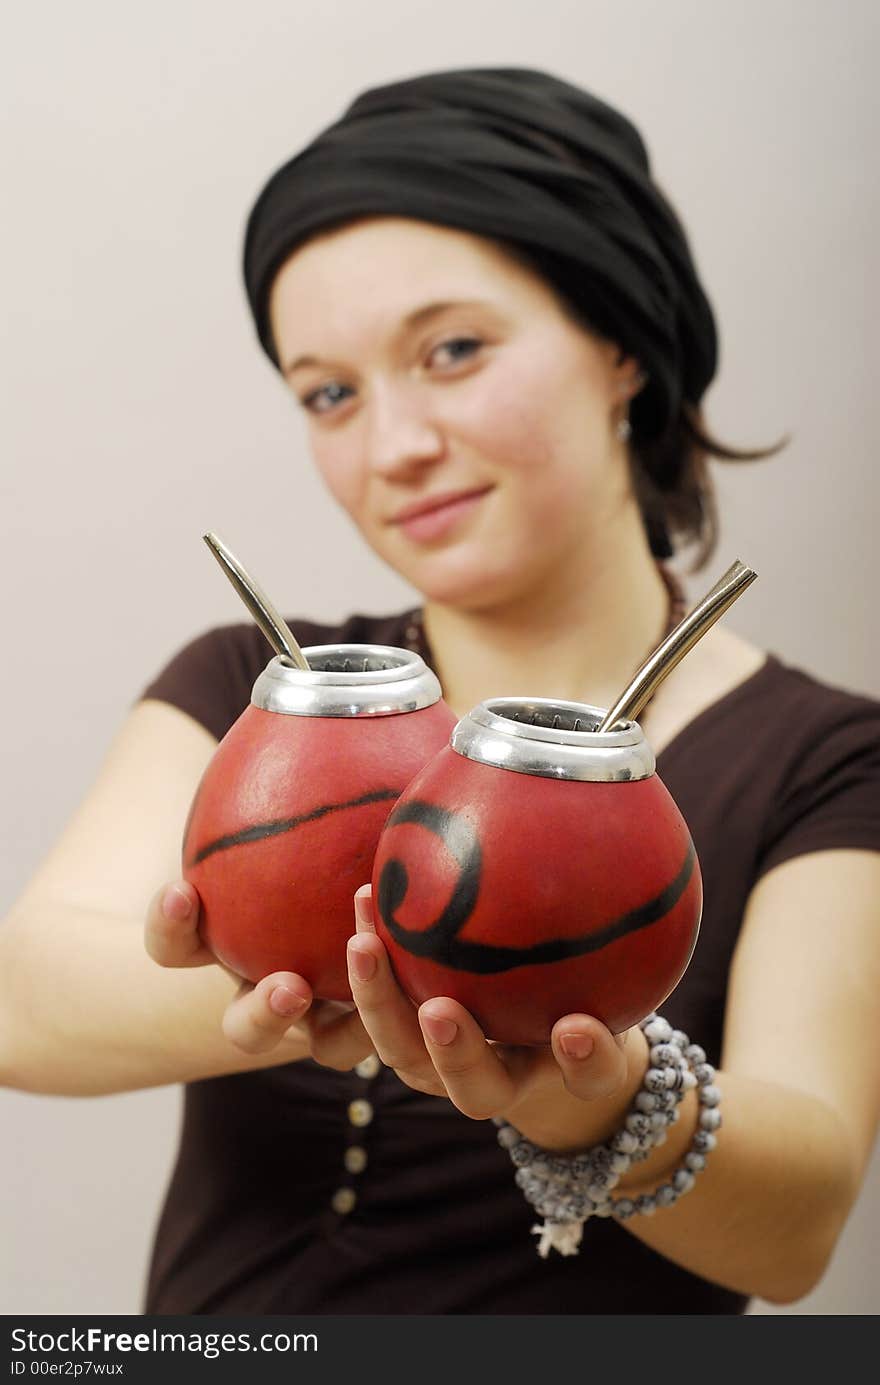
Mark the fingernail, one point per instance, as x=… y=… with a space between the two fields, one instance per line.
x=576 y=1045
x=284 y=1001
x=176 y=904
x=362 y=963
x=363 y=911
x=438 y=1029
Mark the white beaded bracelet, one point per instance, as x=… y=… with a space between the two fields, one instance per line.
x=566 y=1190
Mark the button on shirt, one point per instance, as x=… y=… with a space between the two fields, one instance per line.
x=355 y=1159
x=368 y=1067
x=343 y=1201
x=360 y=1112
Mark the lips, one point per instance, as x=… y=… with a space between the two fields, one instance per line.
x=435 y=516
x=435 y=502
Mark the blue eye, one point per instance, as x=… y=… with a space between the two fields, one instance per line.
x=326 y=398
x=457 y=349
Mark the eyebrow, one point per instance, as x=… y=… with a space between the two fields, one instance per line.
x=417 y=318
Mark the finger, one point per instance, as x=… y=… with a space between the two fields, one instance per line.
x=171 y=930
x=591 y=1059
x=337 y=1037
x=475 y=1078
x=388 y=1016
x=260 y=1016
x=363 y=910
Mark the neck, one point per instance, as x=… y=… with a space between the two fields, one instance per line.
x=575 y=640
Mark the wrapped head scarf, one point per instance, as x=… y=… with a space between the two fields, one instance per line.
x=528 y=160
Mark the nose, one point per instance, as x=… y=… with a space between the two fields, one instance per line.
x=401 y=435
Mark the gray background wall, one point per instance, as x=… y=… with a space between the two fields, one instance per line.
x=137 y=412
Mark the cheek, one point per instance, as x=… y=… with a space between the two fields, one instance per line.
x=336 y=463
x=541 y=426
x=506 y=421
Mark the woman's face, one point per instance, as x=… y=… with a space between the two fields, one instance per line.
x=459 y=415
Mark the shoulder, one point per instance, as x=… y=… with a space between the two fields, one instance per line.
x=812 y=713
x=212 y=675
x=758 y=691
x=815 y=748
x=818 y=699
x=242 y=647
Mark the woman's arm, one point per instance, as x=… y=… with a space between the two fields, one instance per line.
x=800 y=1078
x=83 y=1008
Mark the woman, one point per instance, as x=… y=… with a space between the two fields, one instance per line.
x=492 y=321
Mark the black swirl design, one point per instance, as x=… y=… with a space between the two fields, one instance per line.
x=440 y=941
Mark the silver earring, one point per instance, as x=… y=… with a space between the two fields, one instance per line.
x=624 y=429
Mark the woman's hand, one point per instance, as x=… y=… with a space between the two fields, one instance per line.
x=565 y=1096
x=279 y=1007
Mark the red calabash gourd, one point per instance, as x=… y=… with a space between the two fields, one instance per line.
x=536 y=867
x=285 y=822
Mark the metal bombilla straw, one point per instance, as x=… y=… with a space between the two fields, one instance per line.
x=272 y=624
x=678 y=643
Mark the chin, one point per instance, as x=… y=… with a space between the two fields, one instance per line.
x=449 y=580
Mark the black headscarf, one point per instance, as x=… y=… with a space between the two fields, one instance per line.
x=524 y=158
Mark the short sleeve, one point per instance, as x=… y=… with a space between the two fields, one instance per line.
x=211 y=677
x=830 y=796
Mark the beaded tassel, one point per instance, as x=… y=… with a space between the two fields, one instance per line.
x=567 y=1190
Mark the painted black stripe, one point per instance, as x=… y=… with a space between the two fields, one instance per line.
x=261 y=830
x=440 y=941
x=462 y=843
x=485 y=958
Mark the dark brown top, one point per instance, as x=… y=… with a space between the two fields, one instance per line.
x=780 y=766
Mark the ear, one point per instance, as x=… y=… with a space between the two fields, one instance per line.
x=629 y=378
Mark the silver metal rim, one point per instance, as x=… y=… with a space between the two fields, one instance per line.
x=393 y=681
x=536 y=735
